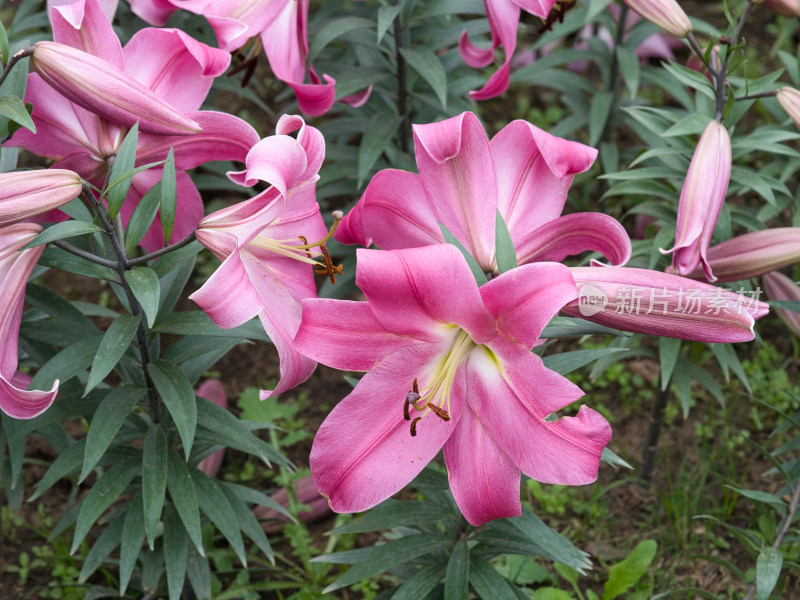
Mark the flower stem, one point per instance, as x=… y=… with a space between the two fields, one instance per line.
x=720 y=75
x=24 y=53
x=402 y=93
x=651 y=439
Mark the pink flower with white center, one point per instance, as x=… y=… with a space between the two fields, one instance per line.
x=503 y=18
x=175 y=68
x=655 y=303
x=701 y=200
x=464 y=180
x=15 y=267
x=266 y=245
x=448 y=367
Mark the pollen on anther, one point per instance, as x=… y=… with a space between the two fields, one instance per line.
x=414 y=426
x=439 y=412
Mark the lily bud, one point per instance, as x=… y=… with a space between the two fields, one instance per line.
x=753 y=254
x=779 y=287
x=790 y=8
x=655 y=303
x=667 y=14
x=106 y=90
x=701 y=200
x=24 y=194
x=789 y=99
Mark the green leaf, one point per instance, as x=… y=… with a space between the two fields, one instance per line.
x=566 y=362
x=555 y=546
x=124 y=162
x=196 y=322
x=768 y=569
x=146 y=288
x=178 y=396
x=551 y=593
x=682 y=378
x=691 y=125
x=14 y=109
x=668 y=350
x=60 y=231
x=381 y=558
x=176 y=553
x=142 y=217
x=199 y=574
x=334 y=29
x=184 y=496
x=132 y=538
x=506 y=254
x=378 y=135
x=103 y=493
x=630 y=68
x=691 y=78
x=154 y=480
x=759 y=496
x=4 y=51
x=116 y=340
x=169 y=196
x=69 y=362
x=599 y=113
x=477 y=272
x=248 y=523
x=611 y=457
x=102 y=547
x=487 y=582
x=421 y=583
x=569 y=326
x=216 y=507
x=107 y=421
x=66 y=463
x=386 y=16
x=65 y=261
x=623 y=575
x=456 y=581
x=425 y=62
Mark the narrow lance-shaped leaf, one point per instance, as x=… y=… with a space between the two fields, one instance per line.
x=178 y=396
x=116 y=340
x=61 y=231
x=107 y=421
x=124 y=162
x=184 y=497
x=425 y=62
x=505 y=253
x=479 y=275
x=456 y=581
x=768 y=569
x=146 y=289
x=169 y=195
x=176 y=553
x=154 y=480
x=131 y=543
x=142 y=217
x=14 y=109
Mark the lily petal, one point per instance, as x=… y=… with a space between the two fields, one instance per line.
x=572 y=234
x=403 y=291
x=83 y=24
x=483 y=479
x=345 y=335
x=520 y=302
x=364 y=452
x=566 y=451
x=454 y=161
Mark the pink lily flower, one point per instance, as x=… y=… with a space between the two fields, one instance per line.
x=503 y=18
x=282 y=26
x=464 y=180
x=655 y=303
x=701 y=200
x=25 y=194
x=15 y=268
x=753 y=254
x=448 y=367
x=780 y=287
x=213 y=390
x=667 y=14
x=173 y=66
x=264 y=246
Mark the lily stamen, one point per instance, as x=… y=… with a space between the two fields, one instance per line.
x=302 y=251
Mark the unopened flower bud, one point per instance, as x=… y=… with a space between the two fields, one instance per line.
x=24 y=194
x=107 y=91
x=667 y=14
x=789 y=99
x=780 y=287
